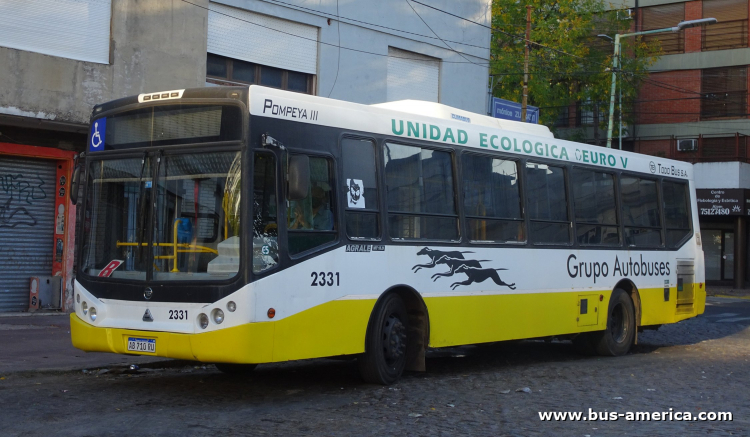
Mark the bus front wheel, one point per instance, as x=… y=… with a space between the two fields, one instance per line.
x=618 y=337
x=384 y=359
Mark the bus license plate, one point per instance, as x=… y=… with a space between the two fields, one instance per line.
x=147 y=345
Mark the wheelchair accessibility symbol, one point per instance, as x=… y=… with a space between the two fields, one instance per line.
x=97 y=135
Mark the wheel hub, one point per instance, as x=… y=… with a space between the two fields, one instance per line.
x=394 y=338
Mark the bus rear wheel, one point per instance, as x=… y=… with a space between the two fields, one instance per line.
x=384 y=359
x=235 y=369
x=620 y=333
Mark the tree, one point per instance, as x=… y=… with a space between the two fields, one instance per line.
x=567 y=62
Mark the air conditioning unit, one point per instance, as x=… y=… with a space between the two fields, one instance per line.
x=690 y=145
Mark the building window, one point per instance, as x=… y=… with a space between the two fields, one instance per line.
x=724 y=92
x=563 y=119
x=412 y=76
x=77 y=29
x=660 y=17
x=221 y=70
x=731 y=30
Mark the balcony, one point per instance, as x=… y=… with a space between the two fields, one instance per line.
x=724 y=35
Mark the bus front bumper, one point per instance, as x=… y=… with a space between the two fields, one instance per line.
x=249 y=343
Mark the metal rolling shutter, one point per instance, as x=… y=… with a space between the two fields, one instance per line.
x=247 y=36
x=27 y=214
x=75 y=29
x=412 y=76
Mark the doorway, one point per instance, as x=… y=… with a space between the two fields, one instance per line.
x=718 y=250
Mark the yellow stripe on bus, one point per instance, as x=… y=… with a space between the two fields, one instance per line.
x=339 y=327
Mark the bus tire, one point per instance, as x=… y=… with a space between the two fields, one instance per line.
x=618 y=337
x=386 y=342
x=235 y=369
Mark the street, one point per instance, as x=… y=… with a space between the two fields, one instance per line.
x=699 y=365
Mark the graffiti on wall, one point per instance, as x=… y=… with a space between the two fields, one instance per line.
x=20 y=191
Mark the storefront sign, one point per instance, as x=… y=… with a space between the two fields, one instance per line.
x=723 y=202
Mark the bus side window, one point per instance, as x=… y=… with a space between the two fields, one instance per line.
x=361 y=188
x=265 y=225
x=640 y=212
x=311 y=221
x=547 y=203
x=596 y=213
x=676 y=212
x=492 y=200
x=419 y=184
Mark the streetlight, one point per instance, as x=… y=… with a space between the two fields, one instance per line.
x=680 y=26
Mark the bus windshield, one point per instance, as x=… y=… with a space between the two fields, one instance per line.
x=183 y=226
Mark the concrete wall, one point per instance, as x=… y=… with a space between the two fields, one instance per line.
x=722 y=175
x=155 y=45
x=362 y=76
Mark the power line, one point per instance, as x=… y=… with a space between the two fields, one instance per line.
x=338 y=54
x=369 y=24
x=521 y=37
x=435 y=33
x=329 y=44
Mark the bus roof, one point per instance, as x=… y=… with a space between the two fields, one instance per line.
x=446 y=125
x=445 y=112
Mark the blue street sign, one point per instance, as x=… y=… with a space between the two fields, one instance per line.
x=96 y=138
x=508 y=110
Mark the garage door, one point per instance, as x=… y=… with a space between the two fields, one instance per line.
x=27 y=213
x=412 y=76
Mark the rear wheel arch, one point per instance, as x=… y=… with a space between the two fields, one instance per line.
x=629 y=287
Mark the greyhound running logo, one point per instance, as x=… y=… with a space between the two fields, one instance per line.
x=456 y=263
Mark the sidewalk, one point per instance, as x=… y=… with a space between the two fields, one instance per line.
x=727 y=291
x=41 y=342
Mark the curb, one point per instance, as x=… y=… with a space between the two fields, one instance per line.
x=729 y=296
x=56 y=313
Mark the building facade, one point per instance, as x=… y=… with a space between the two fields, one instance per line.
x=58 y=58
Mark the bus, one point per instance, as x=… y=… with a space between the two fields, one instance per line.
x=249 y=225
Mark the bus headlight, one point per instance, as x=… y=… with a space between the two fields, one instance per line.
x=203 y=321
x=84 y=307
x=92 y=314
x=218 y=316
x=231 y=306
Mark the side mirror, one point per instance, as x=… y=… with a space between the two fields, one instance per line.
x=74 y=185
x=298 y=177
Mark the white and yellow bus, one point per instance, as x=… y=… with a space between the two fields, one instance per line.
x=246 y=225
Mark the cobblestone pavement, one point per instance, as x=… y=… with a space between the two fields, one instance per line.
x=699 y=365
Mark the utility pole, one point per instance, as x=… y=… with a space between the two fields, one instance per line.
x=620 y=97
x=524 y=100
